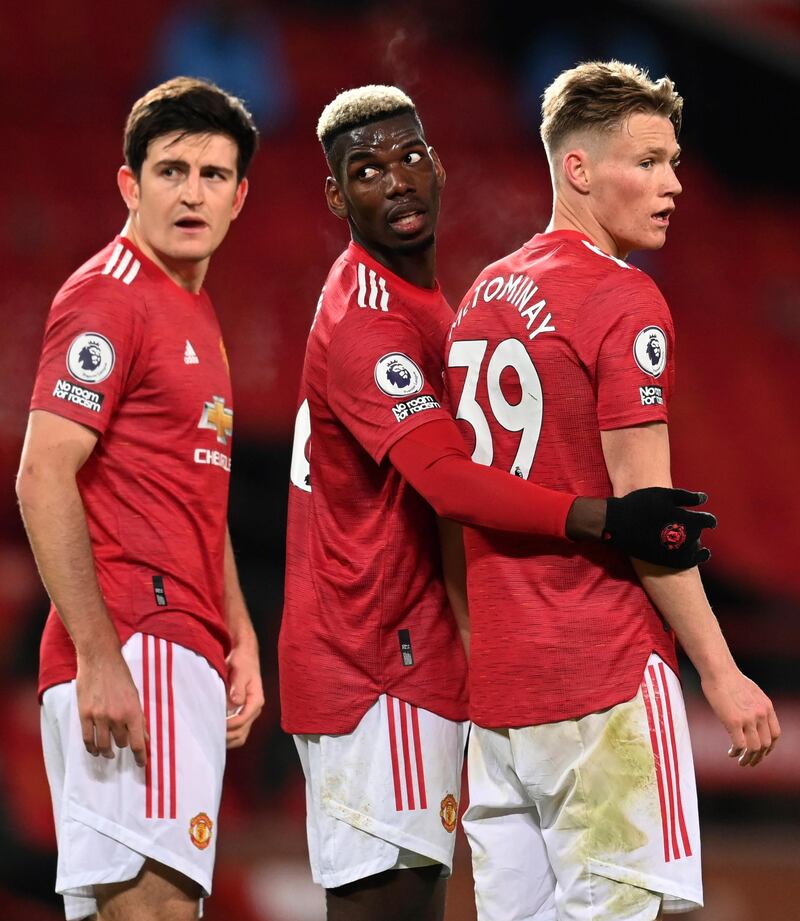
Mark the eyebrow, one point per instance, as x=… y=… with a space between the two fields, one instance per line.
x=183 y=164
x=356 y=154
x=661 y=151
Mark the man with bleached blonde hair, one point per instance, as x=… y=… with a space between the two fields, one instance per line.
x=372 y=668
x=582 y=792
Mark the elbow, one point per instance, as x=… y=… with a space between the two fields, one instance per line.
x=24 y=487
x=31 y=487
x=446 y=507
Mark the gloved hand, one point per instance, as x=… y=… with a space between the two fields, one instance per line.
x=653 y=525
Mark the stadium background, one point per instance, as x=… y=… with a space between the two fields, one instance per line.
x=730 y=271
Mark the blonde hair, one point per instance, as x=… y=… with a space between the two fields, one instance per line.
x=599 y=96
x=360 y=106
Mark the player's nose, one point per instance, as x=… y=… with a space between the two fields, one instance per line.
x=192 y=189
x=673 y=186
x=398 y=182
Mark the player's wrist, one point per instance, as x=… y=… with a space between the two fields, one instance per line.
x=586 y=519
x=97 y=644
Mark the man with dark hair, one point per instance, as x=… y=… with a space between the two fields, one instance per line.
x=582 y=794
x=373 y=673
x=123 y=488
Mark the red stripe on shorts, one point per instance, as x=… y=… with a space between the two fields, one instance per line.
x=159 y=729
x=423 y=802
x=148 y=776
x=684 y=834
x=406 y=755
x=173 y=805
x=657 y=759
x=398 y=795
x=667 y=761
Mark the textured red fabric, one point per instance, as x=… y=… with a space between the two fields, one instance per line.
x=542 y=357
x=434 y=459
x=155 y=488
x=363 y=560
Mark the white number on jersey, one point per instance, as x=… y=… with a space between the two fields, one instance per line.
x=525 y=416
x=300 y=470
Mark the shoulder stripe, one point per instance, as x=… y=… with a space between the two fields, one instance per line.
x=132 y=272
x=377 y=289
x=112 y=259
x=127 y=266
x=122 y=264
x=362 y=286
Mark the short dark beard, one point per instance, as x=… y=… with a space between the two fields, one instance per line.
x=413 y=246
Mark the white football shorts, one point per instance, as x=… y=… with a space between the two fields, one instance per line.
x=111 y=815
x=590 y=819
x=384 y=796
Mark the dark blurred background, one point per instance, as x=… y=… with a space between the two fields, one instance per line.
x=730 y=271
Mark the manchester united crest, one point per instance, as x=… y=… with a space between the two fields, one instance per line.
x=449 y=812
x=200 y=830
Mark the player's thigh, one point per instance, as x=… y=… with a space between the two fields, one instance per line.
x=513 y=877
x=616 y=797
x=384 y=796
x=111 y=814
x=414 y=894
x=158 y=893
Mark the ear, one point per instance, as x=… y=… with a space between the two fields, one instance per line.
x=128 y=186
x=238 y=200
x=575 y=169
x=335 y=198
x=441 y=175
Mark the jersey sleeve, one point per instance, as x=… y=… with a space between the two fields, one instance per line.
x=92 y=343
x=383 y=380
x=626 y=340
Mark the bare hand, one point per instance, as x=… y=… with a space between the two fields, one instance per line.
x=245 y=692
x=109 y=707
x=747 y=714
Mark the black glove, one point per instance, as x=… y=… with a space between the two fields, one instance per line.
x=651 y=524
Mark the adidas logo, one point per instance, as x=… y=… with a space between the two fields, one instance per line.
x=190 y=356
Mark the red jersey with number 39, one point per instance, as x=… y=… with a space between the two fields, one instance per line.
x=365 y=609
x=552 y=345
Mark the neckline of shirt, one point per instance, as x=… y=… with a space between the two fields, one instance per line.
x=558 y=235
x=155 y=272
x=357 y=253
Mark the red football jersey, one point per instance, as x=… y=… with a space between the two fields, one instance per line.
x=135 y=357
x=365 y=609
x=551 y=345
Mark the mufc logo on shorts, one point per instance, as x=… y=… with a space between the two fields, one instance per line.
x=397 y=375
x=90 y=358
x=200 y=830
x=650 y=350
x=449 y=812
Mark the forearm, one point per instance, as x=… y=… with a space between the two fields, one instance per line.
x=55 y=520
x=237 y=617
x=454 y=569
x=434 y=460
x=680 y=598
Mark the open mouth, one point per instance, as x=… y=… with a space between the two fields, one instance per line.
x=407 y=220
x=662 y=217
x=190 y=223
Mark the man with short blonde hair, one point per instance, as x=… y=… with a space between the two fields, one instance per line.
x=582 y=794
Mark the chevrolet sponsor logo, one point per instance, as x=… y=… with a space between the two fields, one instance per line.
x=217 y=417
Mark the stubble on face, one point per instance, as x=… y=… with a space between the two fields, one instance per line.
x=187 y=196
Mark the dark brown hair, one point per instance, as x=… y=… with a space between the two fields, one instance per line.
x=189 y=106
